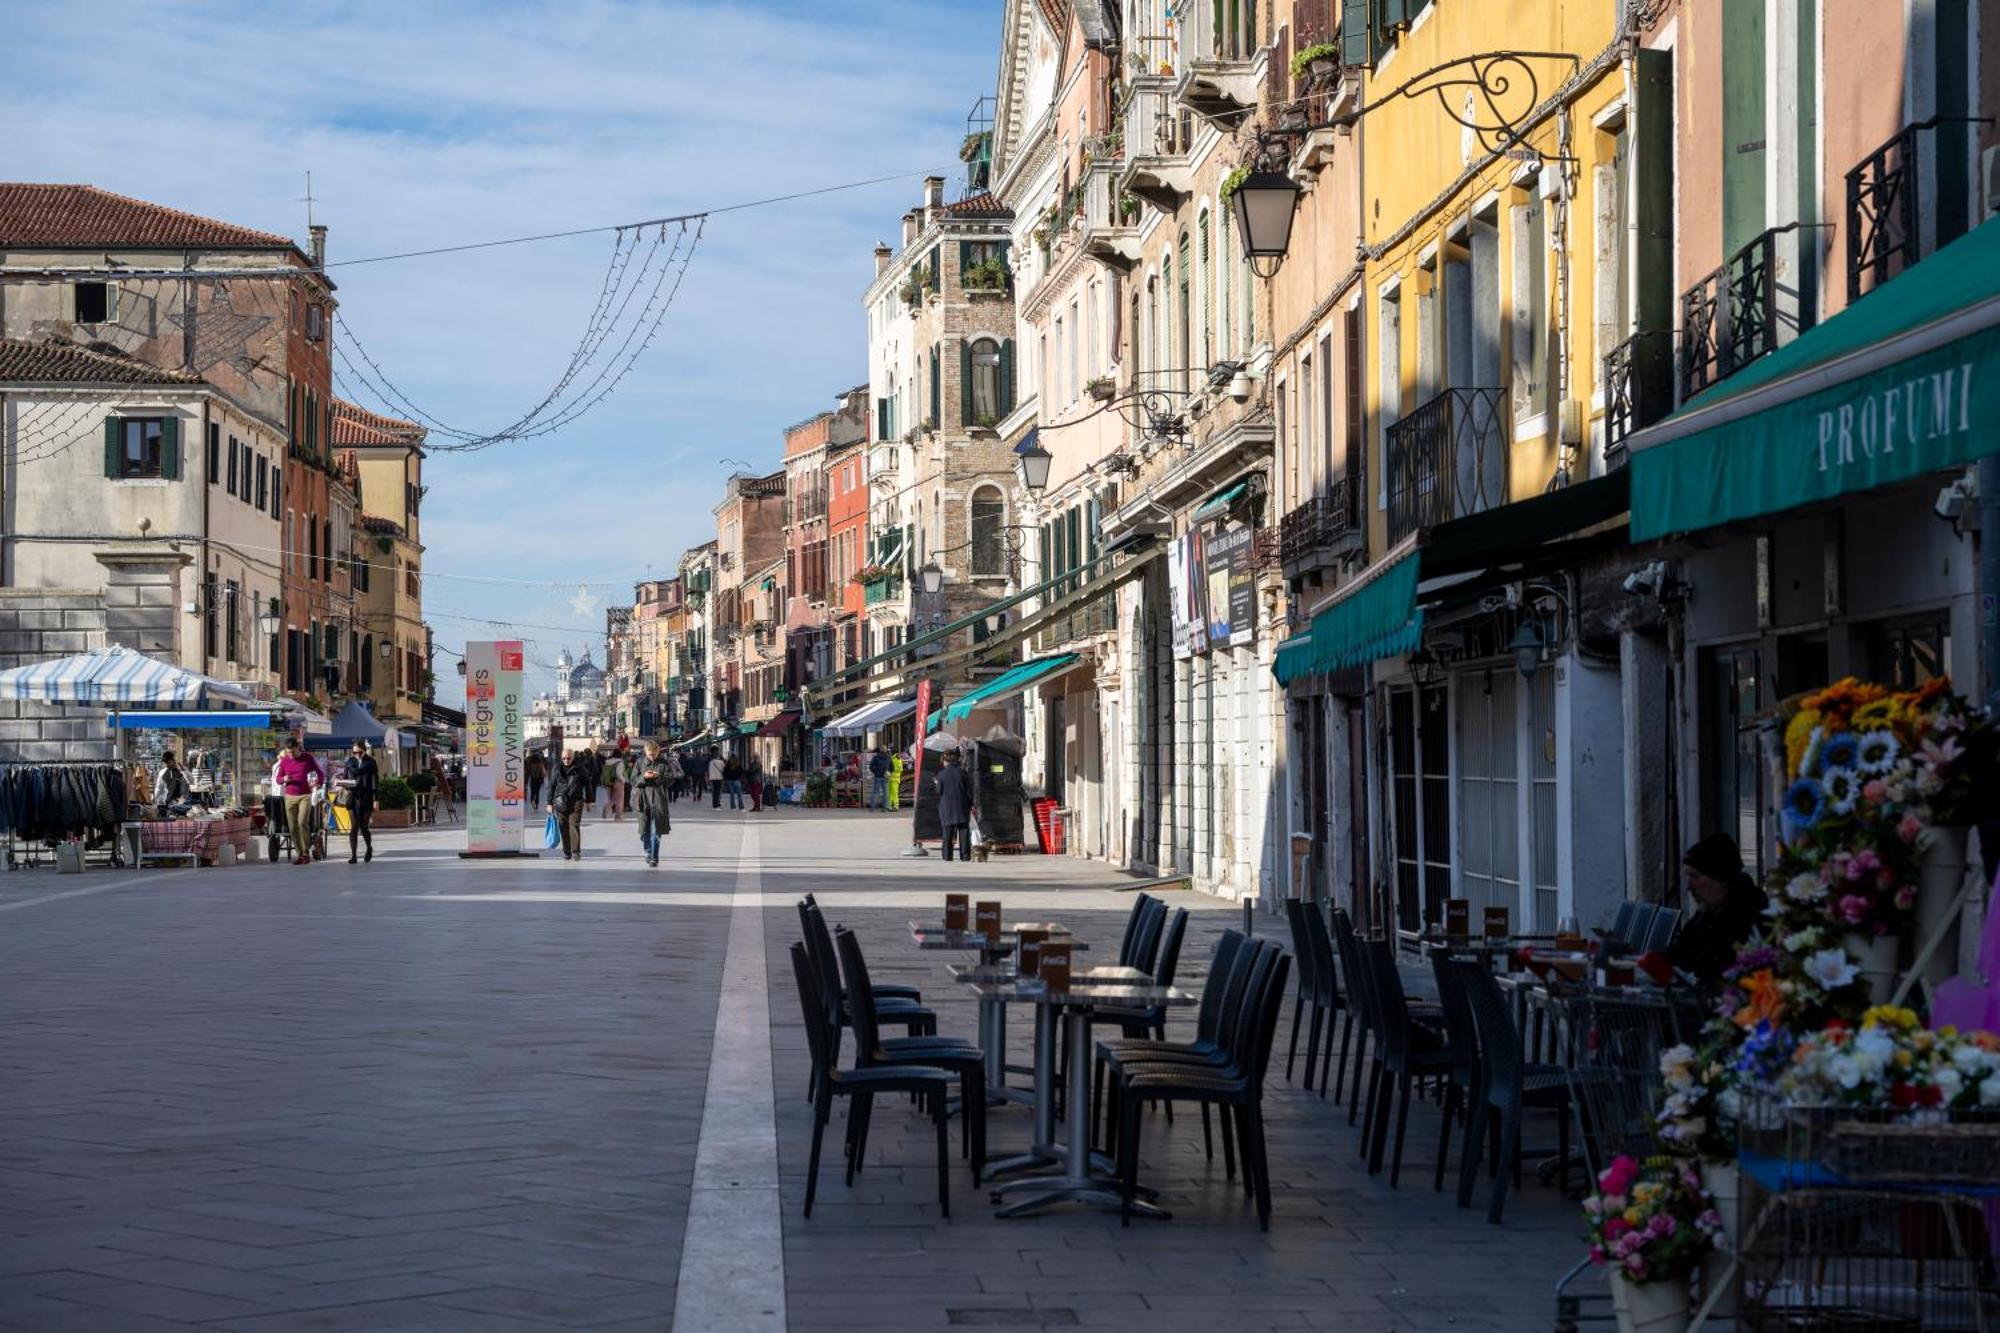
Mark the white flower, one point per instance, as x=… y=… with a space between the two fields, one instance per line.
x=1677 y=1065
x=1877 y=752
x=1806 y=888
x=1830 y=969
x=1989 y=1092
x=1949 y=1083
x=1843 y=788
x=1844 y=1071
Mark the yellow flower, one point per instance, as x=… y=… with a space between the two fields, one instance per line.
x=1798 y=735
x=1889 y=1016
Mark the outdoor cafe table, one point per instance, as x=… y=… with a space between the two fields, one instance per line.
x=992 y=1012
x=1085 y=1176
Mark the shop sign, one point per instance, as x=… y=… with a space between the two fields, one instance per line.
x=494 y=795
x=1231 y=594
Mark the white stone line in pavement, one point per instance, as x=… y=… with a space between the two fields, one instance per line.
x=732 y=1271
x=151 y=877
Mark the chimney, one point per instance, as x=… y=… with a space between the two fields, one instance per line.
x=911 y=228
x=933 y=196
x=318 y=231
x=882 y=253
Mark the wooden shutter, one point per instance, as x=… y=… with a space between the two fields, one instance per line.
x=170 y=448
x=1357 y=47
x=215 y=452
x=113 y=430
x=1743 y=125
x=937 y=392
x=965 y=381
x=1652 y=140
x=1006 y=376
x=881 y=418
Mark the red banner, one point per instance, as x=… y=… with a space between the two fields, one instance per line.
x=917 y=762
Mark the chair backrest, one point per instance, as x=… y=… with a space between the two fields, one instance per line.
x=1146 y=943
x=1215 y=987
x=1170 y=948
x=1239 y=1038
x=1499 y=1044
x=812 y=1012
x=1267 y=1022
x=1665 y=922
x=1325 y=978
x=860 y=999
x=1640 y=925
x=1295 y=917
x=1132 y=920
x=1621 y=924
x=826 y=964
x=1391 y=1005
x=1344 y=949
x=1461 y=1037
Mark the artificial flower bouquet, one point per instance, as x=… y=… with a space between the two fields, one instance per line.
x=1890 y=1061
x=1698 y=1117
x=1651 y=1221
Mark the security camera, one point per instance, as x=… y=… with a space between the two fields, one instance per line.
x=1647 y=580
x=1239 y=387
x=1950 y=502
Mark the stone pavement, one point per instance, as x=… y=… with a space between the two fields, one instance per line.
x=437 y=1094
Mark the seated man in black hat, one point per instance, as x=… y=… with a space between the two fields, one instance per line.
x=1729 y=909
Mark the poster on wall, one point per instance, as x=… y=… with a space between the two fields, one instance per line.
x=1232 y=587
x=495 y=811
x=1188 y=584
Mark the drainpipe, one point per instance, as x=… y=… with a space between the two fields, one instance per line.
x=1989 y=577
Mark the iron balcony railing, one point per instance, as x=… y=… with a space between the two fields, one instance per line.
x=1320 y=523
x=1447 y=459
x=1886 y=206
x=1730 y=317
x=1638 y=388
x=1097 y=616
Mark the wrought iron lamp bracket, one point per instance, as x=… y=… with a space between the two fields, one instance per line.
x=1491 y=108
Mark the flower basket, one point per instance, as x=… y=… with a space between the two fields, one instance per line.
x=1103 y=388
x=1929 y=1150
x=1650 y=1307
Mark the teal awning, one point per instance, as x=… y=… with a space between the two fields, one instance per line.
x=1904 y=382
x=1003 y=686
x=1219 y=502
x=208 y=720
x=1375 y=618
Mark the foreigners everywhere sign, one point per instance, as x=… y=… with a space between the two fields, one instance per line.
x=494 y=754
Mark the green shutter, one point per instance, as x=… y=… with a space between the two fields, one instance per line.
x=937 y=392
x=965 y=381
x=964 y=258
x=1006 y=376
x=1743 y=126
x=1652 y=139
x=937 y=268
x=170 y=448
x=881 y=418
x=1356 y=48
x=112 y=428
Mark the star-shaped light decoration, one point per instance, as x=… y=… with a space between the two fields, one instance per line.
x=220 y=332
x=583 y=603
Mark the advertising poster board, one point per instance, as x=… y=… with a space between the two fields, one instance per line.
x=495 y=788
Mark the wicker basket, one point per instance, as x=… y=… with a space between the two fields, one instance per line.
x=1891 y=1151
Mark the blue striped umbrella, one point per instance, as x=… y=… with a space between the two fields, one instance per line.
x=117 y=676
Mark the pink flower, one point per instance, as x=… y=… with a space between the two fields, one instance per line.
x=1635 y=1268
x=1853 y=908
x=1875 y=791
x=1863 y=864
x=1910 y=828
x=1906 y=897
x=1616 y=1228
x=1620 y=1176
x=1597 y=1254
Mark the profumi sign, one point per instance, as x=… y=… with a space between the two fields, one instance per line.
x=1919 y=410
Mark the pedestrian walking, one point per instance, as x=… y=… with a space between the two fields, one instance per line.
x=443 y=787
x=878 y=780
x=356 y=785
x=614 y=786
x=593 y=772
x=732 y=782
x=536 y=772
x=955 y=808
x=569 y=797
x=753 y=778
x=717 y=770
x=298 y=777
x=651 y=783
x=694 y=770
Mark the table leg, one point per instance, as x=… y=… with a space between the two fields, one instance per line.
x=1041 y=1148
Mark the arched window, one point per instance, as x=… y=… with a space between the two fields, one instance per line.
x=985 y=382
x=989 y=515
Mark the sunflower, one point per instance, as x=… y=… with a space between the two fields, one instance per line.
x=1891 y=713
x=1798 y=737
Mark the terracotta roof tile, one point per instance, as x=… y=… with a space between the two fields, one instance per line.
x=981 y=205
x=354 y=424
x=70 y=215
x=61 y=363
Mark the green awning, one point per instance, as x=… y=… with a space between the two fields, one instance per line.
x=1003 y=686
x=1219 y=502
x=1510 y=533
x=1904 y=382
x=1374 y=618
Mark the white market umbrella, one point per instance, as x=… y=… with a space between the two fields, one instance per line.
x=117 y=677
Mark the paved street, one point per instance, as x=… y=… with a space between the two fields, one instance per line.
x=437 y=1094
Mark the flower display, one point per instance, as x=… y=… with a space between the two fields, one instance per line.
x=1890 y=1060
x=1698 y=1117
x=1652 y=1220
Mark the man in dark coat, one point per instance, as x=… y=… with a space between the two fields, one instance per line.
x=651 y=781
x=1729 y=907
x=569 y=797
x=955 y=809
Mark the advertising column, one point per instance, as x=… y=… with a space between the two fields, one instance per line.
x=494 y=754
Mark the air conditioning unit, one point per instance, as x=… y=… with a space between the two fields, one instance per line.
x=1570 y=423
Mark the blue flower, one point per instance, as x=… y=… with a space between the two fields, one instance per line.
x=1841 y=750
x=1804 y=801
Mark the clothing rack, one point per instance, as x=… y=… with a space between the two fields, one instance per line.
x=42 y=805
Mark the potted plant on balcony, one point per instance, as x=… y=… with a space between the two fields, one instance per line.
x=988 y=275
x=1102 y=388
x=1234 y=182
x=974 y=144
x=1128 y=207
x=1320 y=61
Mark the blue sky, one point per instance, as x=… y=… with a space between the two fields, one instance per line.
x=434 y=124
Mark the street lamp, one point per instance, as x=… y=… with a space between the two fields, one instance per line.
x=931 y=578
x=387 y=650
x=1035 y=462
x=1527 y=648
x=1264 y=205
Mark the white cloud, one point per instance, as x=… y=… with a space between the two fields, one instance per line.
x=437 y=124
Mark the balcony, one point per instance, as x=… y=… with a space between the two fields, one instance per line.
x=1730 y=318
x=1157 y=136
x=887 y=588
x=1447 y=459
x=1638 y=389
x=1110 y=230
x=1221 y=70
x=1322 y=532
x=1888 y=217
x=1097 y=616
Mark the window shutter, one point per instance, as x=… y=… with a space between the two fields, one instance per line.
x=937 y=267
x=170 y=448
x=937 y=401
x=113 y=427
x=964 y=258
x=1006 y=376
x=1356 y=48
x=881 y=418
x=215 y=452
x=965 y=381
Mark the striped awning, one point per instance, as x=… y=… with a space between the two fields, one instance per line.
x=870 y=717
x=117 y=676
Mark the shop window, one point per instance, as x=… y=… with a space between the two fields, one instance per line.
x=1907 y=653
x=1732 y=772
x=1489 y=791
x=1420 y=791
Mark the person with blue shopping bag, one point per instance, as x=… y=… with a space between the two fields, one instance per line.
x=569 y=796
